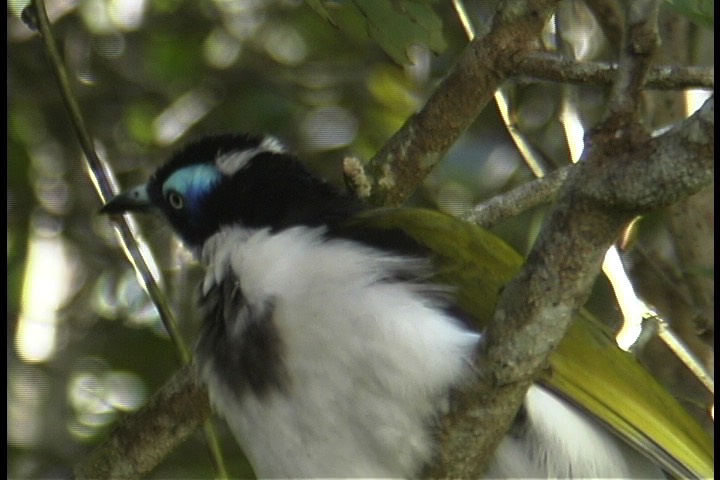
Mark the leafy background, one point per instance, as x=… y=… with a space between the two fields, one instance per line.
x=331 y=79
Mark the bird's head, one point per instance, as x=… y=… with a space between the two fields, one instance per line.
x=233 y=179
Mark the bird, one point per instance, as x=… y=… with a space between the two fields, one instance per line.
x=333 y=333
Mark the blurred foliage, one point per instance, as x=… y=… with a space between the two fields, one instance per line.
x=84 y=344
x=700 y=11
x=395 y=26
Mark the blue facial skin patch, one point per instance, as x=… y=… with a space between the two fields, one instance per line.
x=192 y=182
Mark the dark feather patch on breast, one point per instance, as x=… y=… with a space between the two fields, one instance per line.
x=240 y=342
x=519 y=427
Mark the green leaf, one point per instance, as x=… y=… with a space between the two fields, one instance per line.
x=701 y=12
x=321 y=10
x=395 y=25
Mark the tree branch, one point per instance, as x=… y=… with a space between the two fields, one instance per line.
x=544 y=66
x=658 y=172
x=404 y=161
x=518 y=200
x=536 y=308
x=611 y=18
x=145 y=438
x=642 y=40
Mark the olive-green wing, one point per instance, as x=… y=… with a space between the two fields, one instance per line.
x=587 y=369
x=599 y=377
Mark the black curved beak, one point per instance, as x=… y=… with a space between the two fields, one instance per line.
x=133 y=200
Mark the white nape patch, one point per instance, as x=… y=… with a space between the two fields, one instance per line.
x=230 y=163
x=562 y=442
x=272 y=144
x=370 y=362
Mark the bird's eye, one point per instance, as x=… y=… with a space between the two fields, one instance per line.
x=175 y=200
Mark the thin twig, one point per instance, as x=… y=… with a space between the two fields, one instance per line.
x=550 y=67
x=101 y=179
x=529 y=195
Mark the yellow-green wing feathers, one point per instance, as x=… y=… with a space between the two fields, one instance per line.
x=589 y=369
x=457 y=246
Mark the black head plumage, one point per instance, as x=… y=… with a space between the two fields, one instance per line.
x=230 y=179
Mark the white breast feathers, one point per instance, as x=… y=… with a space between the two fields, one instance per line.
x=361 y=354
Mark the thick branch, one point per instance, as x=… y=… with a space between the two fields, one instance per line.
x=611 y=18
x=145 y=438
x=414 y=150
x=536 y=308
x=642 y=41
x=602 y=194
x=659 y=172
x=531 y=318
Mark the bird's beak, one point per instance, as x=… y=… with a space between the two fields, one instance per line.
x=133 y=200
